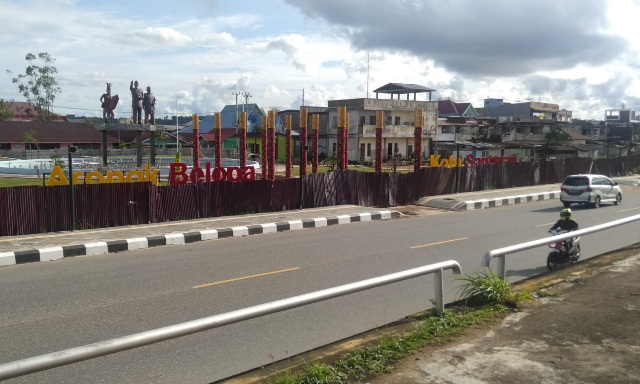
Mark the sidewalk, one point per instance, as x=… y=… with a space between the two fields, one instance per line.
x=53 y=246
x=491 y=199
x=586 y=331
x=499 y=197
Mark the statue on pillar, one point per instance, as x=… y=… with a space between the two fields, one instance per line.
x=108 y=105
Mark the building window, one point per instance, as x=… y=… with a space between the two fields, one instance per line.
x=397 y=120
x=362 y=120
x=369 y=149
x=372 y=120
x=334 y=148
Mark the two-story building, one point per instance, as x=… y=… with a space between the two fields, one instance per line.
x=398 y=125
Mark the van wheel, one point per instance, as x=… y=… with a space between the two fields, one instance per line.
x=618 y=199
x=596 y=202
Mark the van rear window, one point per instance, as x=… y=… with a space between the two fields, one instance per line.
x=576 y=181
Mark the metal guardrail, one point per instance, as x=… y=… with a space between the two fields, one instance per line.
x=90 y=351
x=501 y=253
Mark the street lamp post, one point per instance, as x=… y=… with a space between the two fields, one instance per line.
x=457 y=167
x=177 y=141
x=606 y=140
x=457 y=176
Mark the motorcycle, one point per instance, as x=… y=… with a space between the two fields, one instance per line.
x=558 y=252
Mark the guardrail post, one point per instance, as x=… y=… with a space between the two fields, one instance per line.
x=438 y=290
x=501 y=265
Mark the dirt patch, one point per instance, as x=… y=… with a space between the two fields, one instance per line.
x=584 y=330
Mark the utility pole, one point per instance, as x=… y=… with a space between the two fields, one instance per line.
x=236 y=94
x=606 y=140
x=245 y=108
x=367 y=75
x=246 y=96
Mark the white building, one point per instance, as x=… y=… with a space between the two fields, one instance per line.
x=398 y=128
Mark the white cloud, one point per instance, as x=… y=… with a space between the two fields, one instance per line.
x=581 y=55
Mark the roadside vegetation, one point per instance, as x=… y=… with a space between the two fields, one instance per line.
x=7 y=182
x=484 y=298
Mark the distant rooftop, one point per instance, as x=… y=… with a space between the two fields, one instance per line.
x=403 y=89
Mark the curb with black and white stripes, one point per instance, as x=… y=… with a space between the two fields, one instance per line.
x=97 y=248
x=498 y=202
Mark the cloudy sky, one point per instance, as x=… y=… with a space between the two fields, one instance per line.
x=581 y=54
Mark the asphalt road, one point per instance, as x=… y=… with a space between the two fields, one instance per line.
x=52 y=306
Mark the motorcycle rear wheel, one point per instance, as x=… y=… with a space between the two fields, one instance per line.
x=553 y=260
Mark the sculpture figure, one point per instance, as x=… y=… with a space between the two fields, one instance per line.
x=108 y=104
x=136 y=102
x=149 y=105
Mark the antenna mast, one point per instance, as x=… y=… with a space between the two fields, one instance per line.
x=367 y=75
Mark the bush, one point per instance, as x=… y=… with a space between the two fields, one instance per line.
x=487 y=288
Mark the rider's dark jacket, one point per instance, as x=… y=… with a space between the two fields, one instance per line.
x=566 y=225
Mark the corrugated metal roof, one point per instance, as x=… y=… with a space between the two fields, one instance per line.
x=584 y=147
x=52 y=132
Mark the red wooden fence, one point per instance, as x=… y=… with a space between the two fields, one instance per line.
x=30 y=210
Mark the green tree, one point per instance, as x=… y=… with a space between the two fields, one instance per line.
x=556 y=134
x=38 y=84
x=30 y=137
x=5 y=111
x=92 y=121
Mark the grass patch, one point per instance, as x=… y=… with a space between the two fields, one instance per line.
x=486 y=288
x=7 y=182
x=486 y=299
x=431 y=329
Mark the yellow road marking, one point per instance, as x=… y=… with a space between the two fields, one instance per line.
x=440 y=242
x=545 y=225
x=246 y=277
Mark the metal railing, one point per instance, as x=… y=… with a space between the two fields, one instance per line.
x=501 y=253
x=90 y=351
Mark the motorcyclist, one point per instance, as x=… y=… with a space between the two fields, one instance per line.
x=565 y=224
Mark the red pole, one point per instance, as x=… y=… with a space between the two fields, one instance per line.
x=288 y=149
x=315 y=122
x=196 y=141
x=417 y=145
x=264 y=152
x=379 y=125
x=304 y=122
x=271 y=128
x=342 y=122
x=242 y=131
x=217 y=125
x=345 y=145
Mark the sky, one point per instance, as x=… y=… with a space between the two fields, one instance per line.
x=583 y=55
